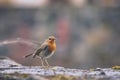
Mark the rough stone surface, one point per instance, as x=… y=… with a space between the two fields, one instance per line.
x=10 y=70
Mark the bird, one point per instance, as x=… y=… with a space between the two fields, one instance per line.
x=45 y=51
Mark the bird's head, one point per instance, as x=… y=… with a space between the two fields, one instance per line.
x=51 y=38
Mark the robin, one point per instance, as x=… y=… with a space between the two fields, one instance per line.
x=45 y=51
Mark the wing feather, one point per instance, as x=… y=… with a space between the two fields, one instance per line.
x=42 y=51
x=37 y=52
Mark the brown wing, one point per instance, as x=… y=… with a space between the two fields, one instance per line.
x=41 y=51
x=38 y=51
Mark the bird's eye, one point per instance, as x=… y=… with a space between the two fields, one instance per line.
x=49 y=38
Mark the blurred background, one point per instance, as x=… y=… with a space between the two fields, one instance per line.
x=87 y=31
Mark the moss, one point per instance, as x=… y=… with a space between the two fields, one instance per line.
x=62 y=77
x=116 y=67
x=91 y=69
x=16 y=74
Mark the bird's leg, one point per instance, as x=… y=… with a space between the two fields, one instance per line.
x=42 y=61
x=47 y=63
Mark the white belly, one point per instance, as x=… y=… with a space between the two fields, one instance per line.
x=50 y=55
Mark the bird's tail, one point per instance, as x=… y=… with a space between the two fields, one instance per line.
x=28 y=55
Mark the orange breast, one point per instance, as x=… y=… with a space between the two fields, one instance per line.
x=52 y=46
